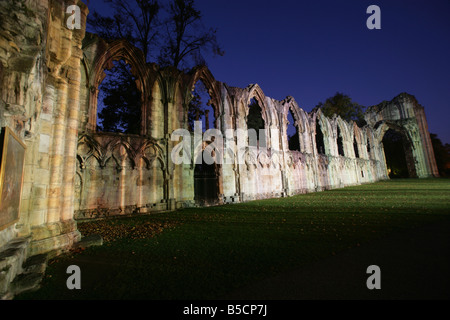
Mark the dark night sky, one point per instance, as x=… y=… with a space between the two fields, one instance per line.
x=312 y=49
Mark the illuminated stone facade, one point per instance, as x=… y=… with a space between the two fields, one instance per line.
x=50 y=78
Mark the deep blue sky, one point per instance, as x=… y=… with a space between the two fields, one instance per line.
x=312 y=49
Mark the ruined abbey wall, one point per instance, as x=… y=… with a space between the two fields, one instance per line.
x=50 y=78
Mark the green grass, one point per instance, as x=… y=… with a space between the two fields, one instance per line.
x=208 y=252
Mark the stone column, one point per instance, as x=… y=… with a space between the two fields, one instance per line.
x=428 y=150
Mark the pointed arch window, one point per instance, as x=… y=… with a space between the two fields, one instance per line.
x=340 y=144
x=292 y=133
x=255 y=124
x=201 y=108
x=119 y=107
x=320 y=145
x=355 y=147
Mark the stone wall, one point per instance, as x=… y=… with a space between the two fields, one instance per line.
x=39 y=101
x=255 y=172
x=50 y=77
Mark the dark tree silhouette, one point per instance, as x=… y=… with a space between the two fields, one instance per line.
x=121 y=102
x=342 y=105
x=119 y=99
x=179 y=40
x=196 y=108
x=185 y=36
x=135 y=21
x=441 y=154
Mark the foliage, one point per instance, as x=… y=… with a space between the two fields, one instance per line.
x=121 y=101
x=178 y=41
x=342 y=105
x=111 y=28
x=197 y=106
x=135 y=21
x=113 y=230
x=196 y=110
x=173 y=34
x=185 y=37
x=442 y=155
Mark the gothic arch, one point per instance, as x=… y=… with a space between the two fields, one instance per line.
x=293 y=106
x=370 y=143
x=413 y=161
x=320 y=120
x=106 y=54
x=208 y=178
x=384 y=126
x=150 y=151
x=290 y=105
x=268 y=112
x=255 y=91
x=358 y=138
x=118 y=50
x=122 y=152
x=341 y=134
x=88 y=148
x=202 y=73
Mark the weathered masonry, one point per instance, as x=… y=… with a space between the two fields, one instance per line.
x=50 y=79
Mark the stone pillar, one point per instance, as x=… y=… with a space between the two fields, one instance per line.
x=427 y=146
x=57 y=230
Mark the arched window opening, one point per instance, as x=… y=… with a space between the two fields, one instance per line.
x=206 y=176
x=200 y=108
x=355 y=147
x=398 y=154
x=119 y=101
x=292 y=133
x=340 y=145
x=255 y=122
x=368 y=147
x=319 y=139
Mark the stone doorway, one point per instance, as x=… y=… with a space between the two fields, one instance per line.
x=400 y=161
x=206 y=184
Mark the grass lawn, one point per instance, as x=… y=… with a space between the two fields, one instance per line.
x=205 y=253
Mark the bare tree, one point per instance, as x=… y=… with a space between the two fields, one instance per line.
x=185 y=37
x=178 y=41
x=135 y=21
